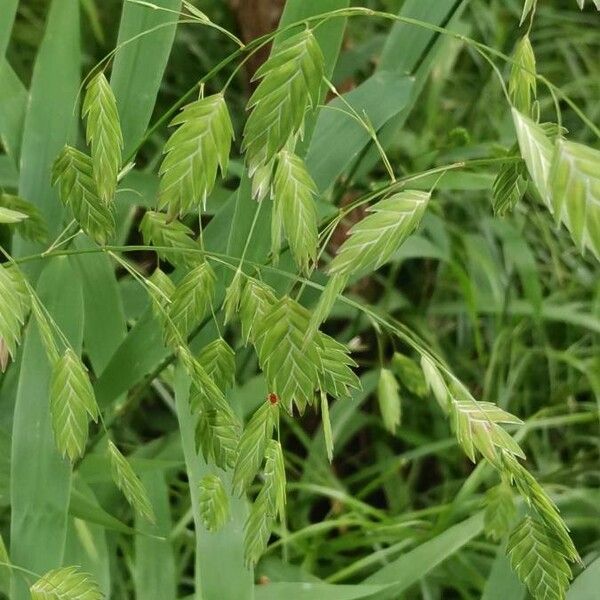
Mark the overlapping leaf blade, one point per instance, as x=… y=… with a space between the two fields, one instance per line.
x=536 y=556
x=290 y=81
x=72 y=405
x=575 y=192
x=194 y=153
x=129 y=483
x=214 y=504
x=190 y=303
x=293 y=194
x=158 y=230
x=291 y=366
x=73 y=172
x=67 y=583
x=103 y=134
x=374 y=240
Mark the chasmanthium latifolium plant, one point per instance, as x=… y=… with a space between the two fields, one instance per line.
x=305 y=368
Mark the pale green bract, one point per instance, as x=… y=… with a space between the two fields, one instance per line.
x=129 y=483
x=13 y=308
x=67 y=583
x=190 y=303
x=73 y=172
x=33 y=227
x=198 y=148
x=214 y=504
x=536 y=555
x=536 y=150
x=72 y=405
x=10 y=217
x=390 y=404
x=575 y=193
x=290 y=81
x=509 y=186
x=522 y=82
x=103 y=134
x=269 y=504
x=251 y=450
x=218 y=360
x=256 y=300
x=336 y=376
x=165 y=234
x=500 y=511
x=374 y=240
x=291 y=367
x=293 y=195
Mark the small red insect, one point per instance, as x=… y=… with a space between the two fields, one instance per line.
x=272 y=397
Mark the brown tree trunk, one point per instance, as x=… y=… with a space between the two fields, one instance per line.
x=255 y=18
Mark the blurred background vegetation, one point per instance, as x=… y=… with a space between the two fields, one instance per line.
x=508 y=301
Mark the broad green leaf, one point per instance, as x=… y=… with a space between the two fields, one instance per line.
x=72 y=405
x=158 y=230
x=50 y=118
x=522 y=81
x=536 y=150
x=67 y=583
x=251 y=450
x=291 y=366
x=144 y=44
x=73 y=172
x=390 y=404
x=13 y=107
x=500 y=511
x=103 y=134
x=129 y=483
x=536 y=556
x=214 y=504
x=293 y=195
x=7 y=18
x=585 y=587
x=39 y=519
x=290 y=80
x=4 y=569
x=194 y=153
x=575 y=192
x=191 y=302
x=375 y=239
